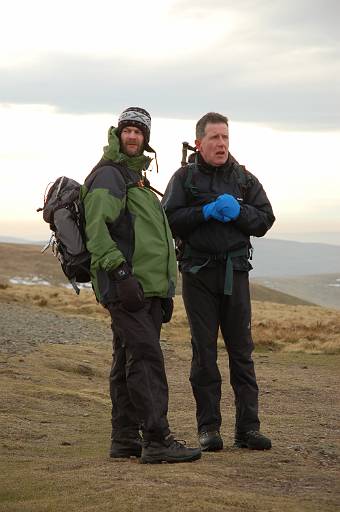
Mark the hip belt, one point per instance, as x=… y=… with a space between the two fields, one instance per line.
x=227 y=257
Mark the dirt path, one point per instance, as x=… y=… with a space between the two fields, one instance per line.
x=54 y=429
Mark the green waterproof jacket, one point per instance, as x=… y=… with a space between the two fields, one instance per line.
x=126 y=222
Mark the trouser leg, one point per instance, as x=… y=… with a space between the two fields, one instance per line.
x=124 y=416
x=202 y=307
x=236 y=331
x=145 y=377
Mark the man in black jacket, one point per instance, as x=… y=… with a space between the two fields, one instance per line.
x=213 y=206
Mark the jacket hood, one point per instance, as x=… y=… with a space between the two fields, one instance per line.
x=112 y=152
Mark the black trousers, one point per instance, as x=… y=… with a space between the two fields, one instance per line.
x=208 y=309
x=138 y=384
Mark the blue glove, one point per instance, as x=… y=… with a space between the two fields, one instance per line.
x=210 y=212
x=227 y=206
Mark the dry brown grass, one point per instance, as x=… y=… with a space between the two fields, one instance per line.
x=309 y=329
x=282 y=327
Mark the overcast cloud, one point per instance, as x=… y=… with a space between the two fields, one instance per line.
x=277 y=64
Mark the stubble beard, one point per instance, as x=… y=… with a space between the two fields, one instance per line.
x=131 y=152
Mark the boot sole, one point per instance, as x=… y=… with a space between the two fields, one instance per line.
x=123 y=454
x=245 y=445
x=216 y=446
x=169 y=460
x=211 y=448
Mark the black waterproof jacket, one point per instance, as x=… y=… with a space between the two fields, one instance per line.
x=183 y=202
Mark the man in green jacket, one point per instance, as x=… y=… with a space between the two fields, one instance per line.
x=133 y=268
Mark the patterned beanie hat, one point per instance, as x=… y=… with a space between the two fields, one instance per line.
x=140 y=118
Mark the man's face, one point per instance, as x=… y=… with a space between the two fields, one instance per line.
x=131 y=141
x=214 y=146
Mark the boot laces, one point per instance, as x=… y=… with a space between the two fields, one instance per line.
x=175 y=443
x=254 y=433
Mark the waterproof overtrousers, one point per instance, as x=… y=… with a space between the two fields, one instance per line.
x=208 y=309
x=138 y=384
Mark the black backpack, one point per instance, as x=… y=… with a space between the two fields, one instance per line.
x=64 y=212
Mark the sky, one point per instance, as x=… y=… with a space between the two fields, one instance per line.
x=68 y=68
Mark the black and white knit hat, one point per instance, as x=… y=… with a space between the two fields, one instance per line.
x=136 y=116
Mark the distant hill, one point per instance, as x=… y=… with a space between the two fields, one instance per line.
x=322 y=237
x=322 y=289
x=25 y=261
x=275 y=258
x=282 y=258
x=15 y=240
x=278 y=275
x=264 y=294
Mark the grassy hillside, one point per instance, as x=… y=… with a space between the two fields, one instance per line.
x=26 y=261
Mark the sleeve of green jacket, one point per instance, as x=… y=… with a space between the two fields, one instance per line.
x=103 y=203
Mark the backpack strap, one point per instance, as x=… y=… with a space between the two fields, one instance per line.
x=147 y=185
x=142 y=182
x=243 y=178
x=189 y=187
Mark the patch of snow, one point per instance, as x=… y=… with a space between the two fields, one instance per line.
x=29 y=281
x=80 y=285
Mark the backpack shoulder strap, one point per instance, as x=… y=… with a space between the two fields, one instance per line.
x=146 y=184
x=189 y=187
x=109 y=163
x=243 y=177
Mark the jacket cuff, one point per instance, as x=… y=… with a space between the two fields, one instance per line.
x=121 y=272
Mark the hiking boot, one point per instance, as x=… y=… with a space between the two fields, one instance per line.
x=253 y=440
x=126 y=447
x=210 y=441
x=168 y=450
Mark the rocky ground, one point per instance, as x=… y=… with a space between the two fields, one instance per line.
x=23 y=328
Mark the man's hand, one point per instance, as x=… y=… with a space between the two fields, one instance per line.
x=210 y=212
x=227 y=206
x=129 y=290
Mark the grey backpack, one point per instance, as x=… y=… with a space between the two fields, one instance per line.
x=64 y=212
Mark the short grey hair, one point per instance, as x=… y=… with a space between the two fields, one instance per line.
x=210 y=117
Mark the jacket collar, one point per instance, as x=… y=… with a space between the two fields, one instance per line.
x=227 y=166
